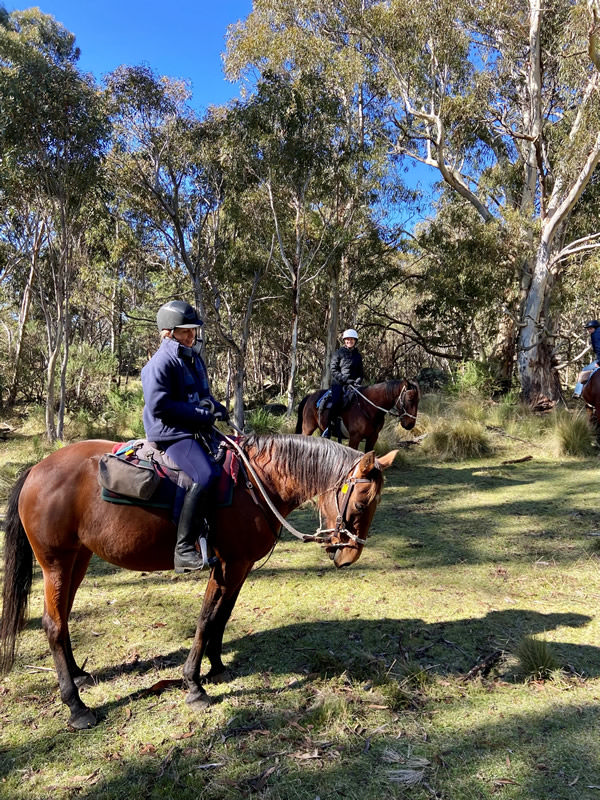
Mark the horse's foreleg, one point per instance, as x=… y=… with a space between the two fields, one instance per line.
x=214 y=645
x=57 y=600
x=79 y=675
x=371 y=441
x=219 y=599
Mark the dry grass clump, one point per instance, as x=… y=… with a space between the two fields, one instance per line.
x=573 y=434
x=457 y=439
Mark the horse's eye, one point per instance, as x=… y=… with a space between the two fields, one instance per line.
x=360 y=506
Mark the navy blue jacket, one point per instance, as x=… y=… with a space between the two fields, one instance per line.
x=346 y=366
x=595 y=341
x=174 y=381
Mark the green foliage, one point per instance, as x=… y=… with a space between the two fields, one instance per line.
x=119 y=417
x=472 y=378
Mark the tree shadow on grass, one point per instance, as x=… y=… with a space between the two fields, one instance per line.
x=521 y=755
x=549 y=742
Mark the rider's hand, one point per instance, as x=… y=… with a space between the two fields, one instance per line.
x=221 y=413
x=205 y=417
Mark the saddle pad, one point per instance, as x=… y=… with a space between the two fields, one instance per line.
x=169 y=494
x=325 y=400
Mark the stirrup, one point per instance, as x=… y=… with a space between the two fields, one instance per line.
x=188 y=561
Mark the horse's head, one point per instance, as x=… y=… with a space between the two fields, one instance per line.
x=407 y=404
x=349 y=508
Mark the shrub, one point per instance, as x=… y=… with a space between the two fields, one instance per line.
x=472 y=378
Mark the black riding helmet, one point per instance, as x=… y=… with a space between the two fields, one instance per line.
x=177 y=314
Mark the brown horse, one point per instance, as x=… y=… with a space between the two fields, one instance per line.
x=591 y=395
x=55 y=512
x=365 y=416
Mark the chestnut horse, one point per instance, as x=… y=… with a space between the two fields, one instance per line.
x=365 y=416
x=55 y=512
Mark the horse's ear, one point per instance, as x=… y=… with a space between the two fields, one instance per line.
x=366 y=464
x=383 y=462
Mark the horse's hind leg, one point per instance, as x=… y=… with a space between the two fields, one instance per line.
x=58 y=598
x=310 y=423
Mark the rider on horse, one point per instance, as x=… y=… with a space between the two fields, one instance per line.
x=593 y=328
x=178 y=416
x=346 y=370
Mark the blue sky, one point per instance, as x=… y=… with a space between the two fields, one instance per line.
x=182 y=39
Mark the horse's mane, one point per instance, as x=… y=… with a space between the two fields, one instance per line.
x=317 y=464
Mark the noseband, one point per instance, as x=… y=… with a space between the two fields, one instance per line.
x=400 y=410
x=325 y=535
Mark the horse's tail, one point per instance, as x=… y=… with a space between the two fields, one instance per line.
x=300 y=413
x=18 y=573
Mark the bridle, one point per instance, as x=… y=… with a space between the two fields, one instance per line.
x=341 y=523
x=397 y=410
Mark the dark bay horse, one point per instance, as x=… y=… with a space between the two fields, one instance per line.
x=591 y=395
x=365 y=416
x=55 y=512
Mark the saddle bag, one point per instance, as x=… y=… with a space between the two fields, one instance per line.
x=127 y=478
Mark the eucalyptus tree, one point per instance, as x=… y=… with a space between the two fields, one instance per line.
x=500 y=98
x=158 y=170
x=52 y=133
x=304 y=162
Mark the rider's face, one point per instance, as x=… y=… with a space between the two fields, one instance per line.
x=349 y=343
x=185 y=336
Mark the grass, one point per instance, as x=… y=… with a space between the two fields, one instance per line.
x=352 y=683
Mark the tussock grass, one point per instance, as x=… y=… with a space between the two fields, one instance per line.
x=574 y=435
x=536 y=660
x=458 y=439
x=260 y=421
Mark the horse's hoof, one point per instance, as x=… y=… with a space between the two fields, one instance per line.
x=219 y=676
x=85 y=679
x=199 y=701
x=82 y=720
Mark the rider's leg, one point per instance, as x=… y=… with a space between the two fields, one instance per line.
x=197 y=510
x=333 y=411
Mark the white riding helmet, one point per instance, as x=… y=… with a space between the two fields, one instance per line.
x=350 y=333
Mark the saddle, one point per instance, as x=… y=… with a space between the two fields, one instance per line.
x=138 y=473
x=325 y=400
x=586 y=374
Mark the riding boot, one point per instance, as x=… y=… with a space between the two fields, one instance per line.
x=326 y=423
x=192 y=521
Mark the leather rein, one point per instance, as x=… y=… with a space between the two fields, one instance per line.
x=396 y=410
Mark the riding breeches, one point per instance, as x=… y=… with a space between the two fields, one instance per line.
x=192 y=459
